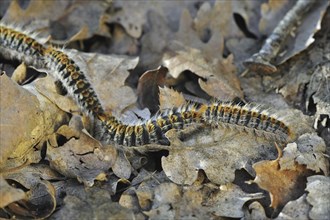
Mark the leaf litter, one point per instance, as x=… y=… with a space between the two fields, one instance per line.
x=202 y=45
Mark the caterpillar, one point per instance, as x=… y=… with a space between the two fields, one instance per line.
x=16 y=44
x=246 y=117
x=73 y=79
x=149 y=131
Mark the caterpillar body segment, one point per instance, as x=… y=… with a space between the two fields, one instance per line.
x=150 y=131
x=15 y=44
x=73 y=79
x=246 y=118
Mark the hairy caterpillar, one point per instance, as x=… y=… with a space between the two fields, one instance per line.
x=15 y=43
x=247 y=118
x=240 y=117
x=73 y=79
x=150 y=131
x=18 y=45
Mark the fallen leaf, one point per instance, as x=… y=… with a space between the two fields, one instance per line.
x=60 y=19
x=208 y=18
x=223 y=86
x=132 y=15
x=31 y=175
x=318 y=188
x=19 y=141
x=154 y=42
x=91 y=203
x=40 y=202
x=282 y=184
x=35 y=180
x=229 y=201
x=47 y=87
x=82 y=158
x=218 y=152
x=170 y=98
x=297 y=209
x=148 y=88
x=9 y=194
x=35 y=10
x=122 y=167
x=256 y=211
x=188 y=52
x=309 y=150
x=19 y=74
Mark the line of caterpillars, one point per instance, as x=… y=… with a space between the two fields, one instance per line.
x=16 y=44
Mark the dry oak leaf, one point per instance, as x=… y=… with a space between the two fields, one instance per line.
x=9 y=194
x=309 y=149
x=82 y=158
x=26 y=105
x=148 y=88
x=19 y=75
x=40 y=193
x=32 y=175
x=188 y=52
x=154 y=41
x=219 y=17
x=90 y=203
x=229 y=201
x=297 y=209
x=40 y=202
x=140 y=195
x=61 y=19
x=219 y=75
x=318 y=188
x=217 y=151
x=198 y=201
x=169 y=98
x=283 y=185
x=36 y=10
x=132 y=15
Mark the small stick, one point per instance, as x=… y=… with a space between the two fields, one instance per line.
x=261 y=61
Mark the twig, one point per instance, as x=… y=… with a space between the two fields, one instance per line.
x=261 y=61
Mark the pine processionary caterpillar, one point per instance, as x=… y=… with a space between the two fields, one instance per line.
x=73 y=79
x=150 y=131
x=242 y=118
x=247 y=118
x=16 y=44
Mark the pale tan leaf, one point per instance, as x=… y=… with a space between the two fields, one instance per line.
x=318 y=188
x=38 y=114
x=81 y=158
x=297 y=209
x=229 y=201
x=170 y=98
x=9 y=194
x=308 y=150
